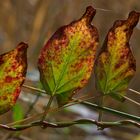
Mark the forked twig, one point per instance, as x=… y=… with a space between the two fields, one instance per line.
x=76 y=101
x=127 y=98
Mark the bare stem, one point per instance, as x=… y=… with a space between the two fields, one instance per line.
x=106 y=109
x=35 y=89
x=100 y=111
x=45 y=124
x=52 y=110
x=134 y=91
x=131 y=100
x=47 y=108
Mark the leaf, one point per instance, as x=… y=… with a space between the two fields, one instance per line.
x=18 y=113
x=13 y=66
x=66 y=61
x=116 y=65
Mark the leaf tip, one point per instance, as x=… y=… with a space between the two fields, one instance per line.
x=22 y=46
x=89 y=14
x=22 y=50
x=133 y=18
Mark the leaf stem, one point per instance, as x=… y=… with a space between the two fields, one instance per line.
x=47 y=108
x=52 y=110
x=113 y=111
x=33 y=88
x=100 y=111
x=95 y=106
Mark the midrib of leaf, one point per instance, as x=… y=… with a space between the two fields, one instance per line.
x=53 y=74
x=81 y=54
x=117 y=72
x=59 y=88
x=118 y=84
x=71 y=45
x=50 y=64
x=107 y=75
x=109 y=68
x=77 y=76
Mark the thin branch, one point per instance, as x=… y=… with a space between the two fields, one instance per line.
x=131 y=100
x=47 y=108
x=101 y=102
x=91 y=105
x=45 y=124
x=35 y=89
x=43 y=91
x=105 y=109
x=52 y=110
x=134 y=91
x=113 y=111
x=95 y=106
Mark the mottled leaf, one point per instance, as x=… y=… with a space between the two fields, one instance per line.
x=116 y=65
x=67 y=59
x=13 y=66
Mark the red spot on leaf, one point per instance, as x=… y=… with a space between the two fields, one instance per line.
x=67 y=58
x=8 y=79
x=13 y=74
x=16 y=94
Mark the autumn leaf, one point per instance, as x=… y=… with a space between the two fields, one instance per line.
x=116 y=65
x=66 y=61
x=13 y=66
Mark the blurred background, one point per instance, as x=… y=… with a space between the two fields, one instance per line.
x=33 y=22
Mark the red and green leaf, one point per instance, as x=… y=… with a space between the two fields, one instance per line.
x=13 y=66
x=116 y=65
x=67 y=59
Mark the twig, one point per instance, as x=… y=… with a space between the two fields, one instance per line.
x=43 y=91
x=45 y=124
x=100 y=111
x=132 y=101
x=113 y=111
x=91 y=105
x=33 y=88
x=73 y=102
x=134 y=91
x=106 y=109
x=47 y=108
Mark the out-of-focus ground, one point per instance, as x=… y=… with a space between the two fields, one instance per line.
x=34 y=21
